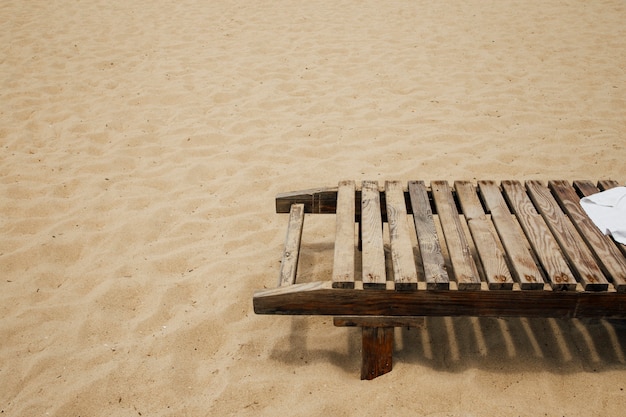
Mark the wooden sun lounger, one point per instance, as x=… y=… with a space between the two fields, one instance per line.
x=484 y=249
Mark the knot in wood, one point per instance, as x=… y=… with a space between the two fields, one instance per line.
x=530 y=278
x=561 y=278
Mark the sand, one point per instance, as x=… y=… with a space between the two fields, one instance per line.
x=143 y=143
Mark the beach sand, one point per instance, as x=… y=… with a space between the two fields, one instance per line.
x=143 y=144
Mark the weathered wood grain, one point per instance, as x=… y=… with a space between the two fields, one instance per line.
x=377 y=352
x=402 y=259
x=586 y=188
x=602 y=186
x=321 y=299
x=523 y=266
x=435 y=272
x=315 y=201
x=607 y=184
x=468 y=200
x=544 y=245
x=343 y=260
x=572 y=245
x=291 y=251
x=324 y=201
x=463 y=265
x=373 y=254
x=487 y=244
x=609 y=258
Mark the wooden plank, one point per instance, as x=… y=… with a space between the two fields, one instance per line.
x=468 y=199
x=604 y=185
x=324 y=201
x=587 y=188
x=573 y=247
x=460 y=256
x=611 y=260
x=343 y=260
x=607 y=184
x=373 y=254
x=320 y=298
x=377 y=352
x=523 y=266
x=291 y=251
x=485 y=238
x=402 y=259
x=318 y=200
x=539 y=236
x=430 y=249
x=491 y=254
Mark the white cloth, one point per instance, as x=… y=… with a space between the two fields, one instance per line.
x=608 y=211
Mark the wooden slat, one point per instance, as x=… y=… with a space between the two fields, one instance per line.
x=324 y=201
x=320 y=298
x=460 y=256
x=587 y=188
x=291 y=251
x=539 y=236
x=468 y=199
x=318 y=200
x=485 y=238
x=522 y=263
x=574 y=248
x=374 y=275
x=402 y=259
x=343 y=260
x=609 y=257
x=607 y=184
x=430 y=249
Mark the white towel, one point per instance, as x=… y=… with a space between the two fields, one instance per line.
x=608 y=211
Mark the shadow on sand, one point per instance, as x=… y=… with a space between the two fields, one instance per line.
x=453 y=344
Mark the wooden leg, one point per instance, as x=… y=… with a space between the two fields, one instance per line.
x=377 y=351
